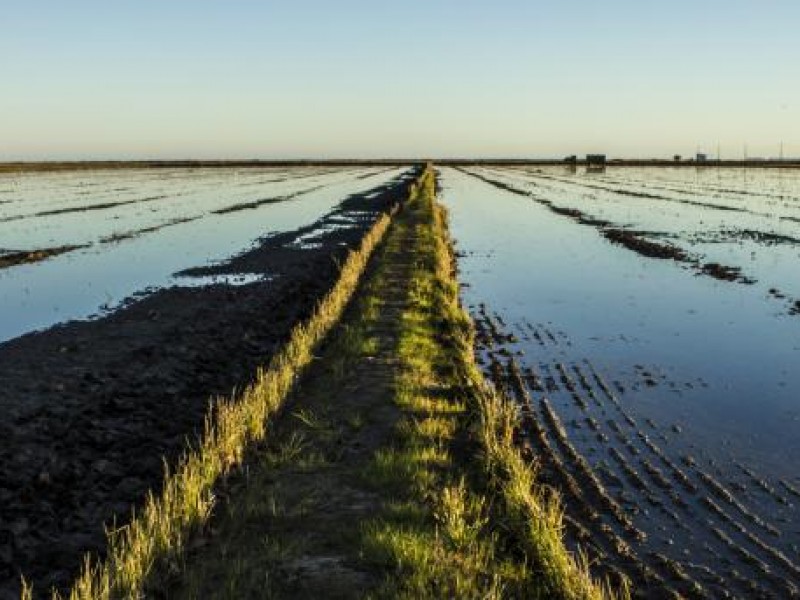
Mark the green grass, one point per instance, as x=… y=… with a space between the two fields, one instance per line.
x=492 y=533
x=458 y=511
x=434 y=538
x=155 y=539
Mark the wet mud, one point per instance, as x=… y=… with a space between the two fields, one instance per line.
x=82 y=209
x=93 y=409
x=134 y=233
x=633 y=241
x=256 y=203
x=12 y=258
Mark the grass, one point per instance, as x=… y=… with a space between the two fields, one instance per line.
x=448 y=506
x=155 y=539
x=434 y=538
x=501 y=535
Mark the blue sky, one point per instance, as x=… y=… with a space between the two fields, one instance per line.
x=370 y=79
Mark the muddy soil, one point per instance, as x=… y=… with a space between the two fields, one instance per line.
x=633 y=241
x=92 y=409
x=12 y=259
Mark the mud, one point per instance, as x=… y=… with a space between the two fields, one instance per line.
x=725 y=273
x=733 y=235
x=134 y=233
x=83 y=208
x=633 y=241
x=92 y=409
x=12 y=259
x=256 y=203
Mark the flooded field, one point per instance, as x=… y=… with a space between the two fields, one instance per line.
x=196 y=278
x=647 y=322
x=75 y=244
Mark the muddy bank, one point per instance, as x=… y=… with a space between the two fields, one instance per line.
x=90 y=408
x=13 y=259
x=633 y=241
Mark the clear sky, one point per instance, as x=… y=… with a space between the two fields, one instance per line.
x=357 y=78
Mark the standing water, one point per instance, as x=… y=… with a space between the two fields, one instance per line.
x=667 y=389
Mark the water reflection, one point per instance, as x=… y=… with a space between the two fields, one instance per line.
x=645 y=364
x=77 y=284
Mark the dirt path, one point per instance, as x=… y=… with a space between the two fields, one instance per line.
x=293 y=527
x=367 y=486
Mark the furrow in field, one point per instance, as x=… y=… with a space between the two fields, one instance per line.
x=13 y=258
x=635 y=193
x=775 y=557
x=632 y=240
x=85 y=208
x=257 y=203
x=639 y=194
x=703 y=188
x=171 y=185
x=650 y=481
x=764 y=237
x=586 y=524
x=659 y=489
x=134 y=233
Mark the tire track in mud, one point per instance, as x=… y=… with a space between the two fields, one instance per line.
x=585 y=523
x=606 y=533
x=634 y=241
x=688 y=498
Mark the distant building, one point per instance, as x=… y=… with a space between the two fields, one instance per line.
x=595 y=162
x=571 y=159
x=701 y=157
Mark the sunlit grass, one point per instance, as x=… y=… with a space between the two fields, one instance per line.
x=155 y=538
x=451 y=525
x=464 y=553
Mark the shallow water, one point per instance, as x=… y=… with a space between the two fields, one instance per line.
x=681 y=213
x=707 y=370
x=98 y=278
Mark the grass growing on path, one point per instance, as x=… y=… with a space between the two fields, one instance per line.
x=388 y=473
x=389 y=468
x=498 y=532
x=154 y=541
